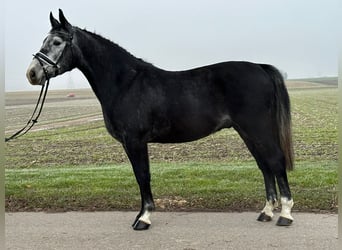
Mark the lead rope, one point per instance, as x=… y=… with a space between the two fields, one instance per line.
x=32 y=120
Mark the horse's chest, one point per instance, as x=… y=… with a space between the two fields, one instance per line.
x=113 y=126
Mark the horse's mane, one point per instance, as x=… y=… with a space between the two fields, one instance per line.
x=110 y=44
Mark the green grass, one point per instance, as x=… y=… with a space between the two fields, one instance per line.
x=82 y=168
x=176 y=186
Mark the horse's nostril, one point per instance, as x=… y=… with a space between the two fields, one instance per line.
x=32 y=74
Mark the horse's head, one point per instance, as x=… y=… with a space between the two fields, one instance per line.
x=56 y=54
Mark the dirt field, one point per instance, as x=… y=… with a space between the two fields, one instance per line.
x=61 y=110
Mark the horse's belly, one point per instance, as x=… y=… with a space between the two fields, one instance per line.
x=176 y=137
x=190 y=129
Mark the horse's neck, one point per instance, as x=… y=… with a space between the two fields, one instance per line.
x=105 y=65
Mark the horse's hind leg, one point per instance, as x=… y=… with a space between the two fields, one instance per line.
x=271 y=196
x=138 y=156
x=276 y=164
x=270 y=159
x=269 y=179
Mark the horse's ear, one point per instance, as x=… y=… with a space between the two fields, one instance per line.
x=53 y=21
x=63 y=20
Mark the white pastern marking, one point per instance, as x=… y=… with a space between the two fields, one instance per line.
x=286 y=206
x=268 y=209
x=146 y=217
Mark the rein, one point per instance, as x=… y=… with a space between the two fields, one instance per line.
x=33 y=120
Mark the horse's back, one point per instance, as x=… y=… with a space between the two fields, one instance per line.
x=200 y=101
x=225 y=88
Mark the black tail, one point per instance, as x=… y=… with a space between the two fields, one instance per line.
x=282 y=112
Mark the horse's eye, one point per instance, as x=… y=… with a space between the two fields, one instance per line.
x=57 y=42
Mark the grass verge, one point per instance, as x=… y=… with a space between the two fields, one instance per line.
x=187 y=186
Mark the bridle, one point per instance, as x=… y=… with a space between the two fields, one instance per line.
x=43 y=60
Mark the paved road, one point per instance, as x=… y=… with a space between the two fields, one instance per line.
x=181 y=230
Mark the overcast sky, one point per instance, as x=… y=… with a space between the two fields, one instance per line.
x=298 y=37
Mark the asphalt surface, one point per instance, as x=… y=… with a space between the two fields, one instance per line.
x=180 y=230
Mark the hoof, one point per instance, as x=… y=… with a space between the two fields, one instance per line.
x=282 y=221
x=140 y=225
x=264 y=217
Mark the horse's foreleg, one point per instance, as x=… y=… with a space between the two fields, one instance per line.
x=138 y=156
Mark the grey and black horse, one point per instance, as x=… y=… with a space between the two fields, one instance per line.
x=142 y=103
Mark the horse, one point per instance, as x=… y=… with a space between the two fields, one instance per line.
x=144 y=104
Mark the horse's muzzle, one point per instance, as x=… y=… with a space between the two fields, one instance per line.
x=35 y=73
